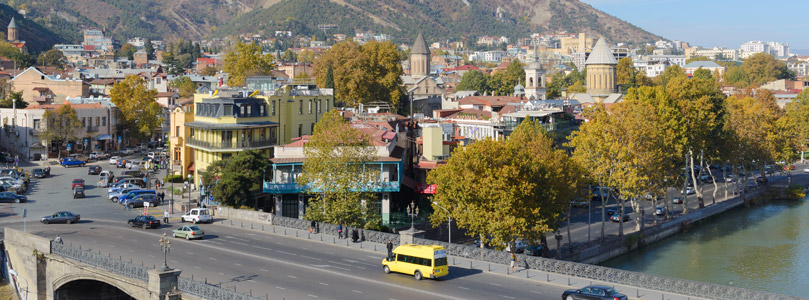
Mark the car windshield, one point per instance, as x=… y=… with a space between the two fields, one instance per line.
x=149 y=218
x=610 y=291
x=194 y=228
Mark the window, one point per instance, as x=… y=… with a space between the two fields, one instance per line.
x=89 y=122
x=83 y=122
x=176 y=130
x=310 y=107
x=261 y=110
x=227 y=136
x=273 y=108
x=313 y=129
x=300 y=129
x=262 y=133
x=300 y=107
x=103 y=121
x=37 y=123
x=249 y=110
x=157 y=80
x=228 y=110
x=244 y=110
x=98 y=121
x=318 y=104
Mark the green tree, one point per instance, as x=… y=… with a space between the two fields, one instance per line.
x=473 y=80
x=502 y=190
x=11 y=52
x=797 y=113
x=577 y=87
x=149 y=48
x=14 y=98
x=503 y=83
x=245 y=60
x=128 y=51
x=736 y=76
x=173 y=66
x=334 y=173
x=762 y=68
x=306 y=56
x=625 y=72
x=289 y=56
x=702 y=74
x=329 y=80
x=137 y=104
x=185 y=87
x=60 y=126
x=209 y=70
x=52 y=58
x=386 y=70
x=233 y=179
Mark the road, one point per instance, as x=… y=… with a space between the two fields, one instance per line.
x=261 y=263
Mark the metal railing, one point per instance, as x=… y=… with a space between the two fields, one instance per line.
x=92 y=128
x=225 y=145
x=209 y=291
x=40 y=99
x=100 y=261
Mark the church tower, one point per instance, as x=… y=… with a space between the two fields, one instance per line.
x=601 y=66
x=419 y=58
x=12 y=30
x=534 y=79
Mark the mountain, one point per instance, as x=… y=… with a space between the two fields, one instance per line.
x=401 y=19
x=37 y=38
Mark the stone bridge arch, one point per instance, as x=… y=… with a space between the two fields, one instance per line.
x=130 y=287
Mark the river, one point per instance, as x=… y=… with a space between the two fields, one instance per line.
x=764 y=247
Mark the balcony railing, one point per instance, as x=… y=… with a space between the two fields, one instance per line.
x=34 y=131
x=40 y=99
x=92 y=128
x=291 y=188
x=227 y=145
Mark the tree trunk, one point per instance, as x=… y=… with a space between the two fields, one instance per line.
x=620 y=213
x=569 y=241
x=694 y=180
x=543 y=240
x=603 y=210
x=715 y=186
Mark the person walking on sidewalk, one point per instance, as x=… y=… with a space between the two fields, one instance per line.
x=389 y=245
x=513 y=259
x=166 y=216
x=340 y=231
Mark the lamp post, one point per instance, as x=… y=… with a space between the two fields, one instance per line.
x=171 y=206
x=449 y=222
x=14 y=273
x=165 y=245
x=187 y=209
x=412 y=211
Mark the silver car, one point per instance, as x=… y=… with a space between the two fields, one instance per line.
x=114 y=196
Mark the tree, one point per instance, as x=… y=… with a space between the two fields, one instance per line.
x=736 y=76
x=371 y=72
x=473 y=80
x=762 y=68
x=11 y=52
x=306 y=56
x=245 y=60
x=577 y=87
x=149 y=48
x=173 y=66
x=60 y=126
x=334 y=174
x=208 y=70
x=128 y=51
x=232 y=180
x=502 y=190
x=503 y=83
x=14 y=97
x=625 y=72
x=797 y=113
x=289 y=56
x=185 y=87
x=137 y=104
x=52 y=58
x=702 y=74
x=329 y=80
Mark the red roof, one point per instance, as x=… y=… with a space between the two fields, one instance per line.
x=89 y=47
x=463 y=68
x=206 y=60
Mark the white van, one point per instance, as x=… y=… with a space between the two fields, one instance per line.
x=197 y=215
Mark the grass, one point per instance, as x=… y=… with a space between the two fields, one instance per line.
x=7 y=291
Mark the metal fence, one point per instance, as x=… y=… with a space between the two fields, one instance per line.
x=208 y=291
x=100 y=261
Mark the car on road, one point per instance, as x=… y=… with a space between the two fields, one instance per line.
x=144 y=221
x=197 y=215
x=730 y=178
x=135 y=193
x=139 y=200
x=613 y=210
x=12 y=197
x=689 y=191
x=72 y=162
x=578 y=203
x=677 y=200
x=617 y=218
x=533 y=250
x=806 y=170
x=188 y=232
x=78 y=182
x=78 y=192
x=593 y=292
x=38 y=173
x=93 y=170
x=121 y=164
x=61 y=217
x=114 y=160
x=761 y=180
x=660 y=210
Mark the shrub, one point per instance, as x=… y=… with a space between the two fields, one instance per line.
x=174 y=179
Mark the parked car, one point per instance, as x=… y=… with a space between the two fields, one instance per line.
x=188 y=232
x=197 y=215
x=519 y=246
x=139 y=200
x=61 y=217
x=144 y=221
x=121 y=163
x=579 y=203
x=598 y=192
x=38 y=173
x=677 y=200
x=114 y=160
x=78 y=192
x=806 y=170
x=134 y=194
x=78 y=182
x=533 y=250
x=706 y=178
x=660 y=210
x=13 y=184
x=613 y=210
x=72 y=162
x=593 y=292
x=730 y=178
x=116 y=195
x=761 y=180
x=689 y=191
x=12 y=197
x=93 y=170
x=617 y=218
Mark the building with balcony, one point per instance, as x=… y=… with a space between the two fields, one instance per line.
x=295 y=107
x=181 y=157
x=290 y=198
x=39 y=88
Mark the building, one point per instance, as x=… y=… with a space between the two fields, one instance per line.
x=601 y=71
x=423 y=88
x=204 y=62
x=296 y=108
x=13 y=37
x=579 y=43
x=535 y=79
x=39 y=88
x=478 y=117
x=95 y=38
x=552 y=114
x=181 y=157
x=707 y=65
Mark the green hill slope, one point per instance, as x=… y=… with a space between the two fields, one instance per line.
x=37 y=38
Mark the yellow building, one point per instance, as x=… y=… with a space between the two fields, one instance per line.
x=296 y=107
x=180 y=156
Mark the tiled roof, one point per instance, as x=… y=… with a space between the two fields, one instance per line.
x=601 y=55
x=420 y=46
x=702 y=64
x=491 y=101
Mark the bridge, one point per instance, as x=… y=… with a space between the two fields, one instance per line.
x=43 y=270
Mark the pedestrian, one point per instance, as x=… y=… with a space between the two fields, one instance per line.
x=355 y=235
x=58 y=239
x=513 y=260
x=340 y=231
x=312 y=226
x=166 y=216
x=390 y=248
x=157 y=183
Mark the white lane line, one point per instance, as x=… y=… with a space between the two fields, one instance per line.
x=356 y=291
x=220 y=273
x=495 y=284
x=309 y=257
x=111 y=246
x=190 y=253
x=362 y=268
x=284 y=252
x=508 y=297
x=290 y=276
x=215 y=242
x=264 y=270
x=463 y=288
x=238 y=264
x=280 y=288
x=535 y=292
x=310 y=295
x=235 y=238
x=322 y=283
x=197 y=267
x=211 y=258
x=262 y=248
x=151 y=255
x=251 y=234
x=174 y=261
x=237 y=243
x=251 y=280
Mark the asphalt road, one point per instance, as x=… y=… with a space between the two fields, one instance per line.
x=257 y=263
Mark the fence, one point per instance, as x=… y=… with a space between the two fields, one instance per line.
x=208 y=291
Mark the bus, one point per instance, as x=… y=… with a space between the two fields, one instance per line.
x=418 y=260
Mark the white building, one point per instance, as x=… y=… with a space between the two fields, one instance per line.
x=753 y=47
x=778 y=49
x=651 y=68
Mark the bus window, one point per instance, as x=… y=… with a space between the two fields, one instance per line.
x=440 y=261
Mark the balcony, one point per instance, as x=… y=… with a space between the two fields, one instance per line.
x=41 y=99
x=92 y=128
x=293 y=188
x=34 y=131
x=228 y=145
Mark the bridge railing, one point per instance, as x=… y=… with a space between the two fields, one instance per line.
x=209 y=291
x=101 y=261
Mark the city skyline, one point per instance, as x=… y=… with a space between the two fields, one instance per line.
x=714 y=23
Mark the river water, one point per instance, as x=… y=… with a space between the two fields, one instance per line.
x=765 y=247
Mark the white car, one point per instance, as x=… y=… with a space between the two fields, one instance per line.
x=690 y=191
x=114 y=160
x=806 y=170
x=197 y=215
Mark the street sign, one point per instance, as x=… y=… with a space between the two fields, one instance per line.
x=25 y=213
x=146 y=204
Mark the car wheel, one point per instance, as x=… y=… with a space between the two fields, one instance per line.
x=182 y=220
x=174 y=234
x=130 y=224
x=69 y=221
x=569 y=297
x=45 y=222
x=386 y=269
x=17 y=200
x=114 y=199
x=187 y=237
x=145 y=226
x=131 y=205
x=417 y=275
x=194 y=221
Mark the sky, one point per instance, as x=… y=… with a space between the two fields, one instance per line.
x=723 y=23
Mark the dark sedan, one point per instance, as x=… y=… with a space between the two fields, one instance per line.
x=144 y=221
x=617 y=218
x=93 y=170
x=39 y=173
x=593 y=292
x=12 y=197
x=61 y=217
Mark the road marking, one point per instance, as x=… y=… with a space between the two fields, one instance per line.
x=251 y=280
x=151 y=255
x=220 y=273
x=310 y=295
x=463 y=288
x=495 y=284
x=535 y=292
x=290 y=276
x=211 y=258
x=196 y=267
x=215 y=242
x=190 y=253
x=237 y=243
x=235 y=238
x=174 y=261
x=238 y=264
x=328 y=266
x=284 y=252
x=322 y=283
x=263 y=248
x=356 y=291
x=251 y=234
x=508 y=297
x=280 y=288
x=264 y=270
x=309 y=257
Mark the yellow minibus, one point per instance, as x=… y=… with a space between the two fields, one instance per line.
x=418 y=260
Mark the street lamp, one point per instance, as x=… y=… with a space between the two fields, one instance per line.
x=412 y=211
x=16 y=275
x=171 y=207
x=449 y=222
x=187 y=209
x=165 y=245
